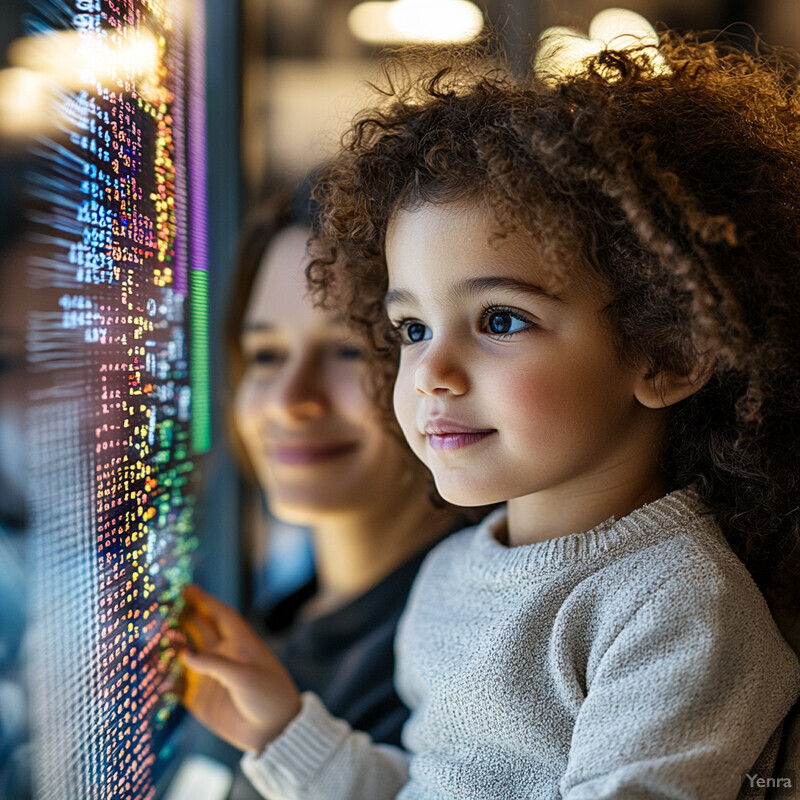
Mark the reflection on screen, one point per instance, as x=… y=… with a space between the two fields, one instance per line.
x=118 y=406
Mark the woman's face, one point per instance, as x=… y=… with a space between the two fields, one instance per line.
x=307 y=425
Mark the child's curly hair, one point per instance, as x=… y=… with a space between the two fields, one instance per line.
x=679 y=188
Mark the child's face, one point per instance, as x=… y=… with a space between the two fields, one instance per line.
x=509 y=383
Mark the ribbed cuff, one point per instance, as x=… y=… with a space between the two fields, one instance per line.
x=292 y=760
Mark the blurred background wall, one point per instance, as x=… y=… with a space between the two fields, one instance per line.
x=304 y=71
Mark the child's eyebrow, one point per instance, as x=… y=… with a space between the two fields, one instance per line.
x=398 y=296
x=473 y=286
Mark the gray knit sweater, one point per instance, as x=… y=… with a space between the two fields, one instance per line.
x=635 y=660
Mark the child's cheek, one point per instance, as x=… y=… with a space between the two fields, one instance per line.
x=534 y=397
x=541 y=409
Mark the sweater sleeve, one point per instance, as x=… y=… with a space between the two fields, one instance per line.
x=319 y=757
x=688 y=698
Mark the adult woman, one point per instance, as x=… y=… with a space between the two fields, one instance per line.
x=326 y=459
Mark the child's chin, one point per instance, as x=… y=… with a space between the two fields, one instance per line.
x=466 y=496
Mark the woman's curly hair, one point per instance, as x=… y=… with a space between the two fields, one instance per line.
x=679 y=187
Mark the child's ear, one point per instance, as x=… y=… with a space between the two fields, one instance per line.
x=667 y=387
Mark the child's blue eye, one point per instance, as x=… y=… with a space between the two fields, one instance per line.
x=501 y=322
x=412 y=331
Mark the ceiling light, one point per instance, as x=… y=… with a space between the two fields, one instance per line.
x=564 y=51
x=406 y=21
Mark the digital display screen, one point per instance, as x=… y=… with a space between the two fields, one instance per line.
x=117 y=416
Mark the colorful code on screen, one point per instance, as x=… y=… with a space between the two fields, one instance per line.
x=118 y=413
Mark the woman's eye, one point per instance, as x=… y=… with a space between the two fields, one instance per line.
x=501 y=322
x=264 y=357
x=412 y=331
x=347 y=353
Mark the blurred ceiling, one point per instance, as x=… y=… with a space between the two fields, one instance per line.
x=305 y=73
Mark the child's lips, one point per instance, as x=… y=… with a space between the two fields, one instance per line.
x=444 y=434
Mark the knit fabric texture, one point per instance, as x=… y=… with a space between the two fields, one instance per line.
x=634 y=660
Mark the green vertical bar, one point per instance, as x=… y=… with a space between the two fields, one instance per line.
x=200 y=426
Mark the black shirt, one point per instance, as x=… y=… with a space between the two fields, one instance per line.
x=347 y=656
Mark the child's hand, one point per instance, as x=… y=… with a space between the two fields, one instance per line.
x=234 y=684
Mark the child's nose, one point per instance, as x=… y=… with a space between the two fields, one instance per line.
x=441 y=370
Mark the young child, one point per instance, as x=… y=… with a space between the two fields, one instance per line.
x=592 y=284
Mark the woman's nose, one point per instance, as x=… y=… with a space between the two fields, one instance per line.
x=441 y=369
x=299 y=391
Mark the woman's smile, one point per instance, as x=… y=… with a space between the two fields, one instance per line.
x=310 y=453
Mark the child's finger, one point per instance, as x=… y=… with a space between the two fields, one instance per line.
x=231 y=674
x=176 y=684
x=202 y=633
x=228 y=621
